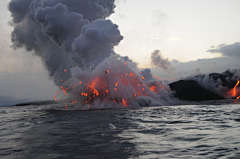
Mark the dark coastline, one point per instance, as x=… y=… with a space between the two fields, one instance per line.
x=37 y=103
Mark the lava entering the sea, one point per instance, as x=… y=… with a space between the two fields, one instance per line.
x=114 y=82
x=235 y=94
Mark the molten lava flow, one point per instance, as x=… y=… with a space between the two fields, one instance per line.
x=124 y=103
x=64 y=90
x=153 y=88
x=234 y=90
x=236 y=84
x=120 y=85
x=84 y=94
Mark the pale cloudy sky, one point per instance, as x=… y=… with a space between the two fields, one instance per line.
x=182 y=29
x=14 y=60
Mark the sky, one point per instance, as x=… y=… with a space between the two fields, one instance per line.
x=190 y=33
x=183 y=30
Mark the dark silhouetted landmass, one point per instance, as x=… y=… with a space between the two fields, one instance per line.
x=37 y=103
x=190 y=89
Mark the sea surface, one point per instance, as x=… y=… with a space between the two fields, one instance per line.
x=207 y=130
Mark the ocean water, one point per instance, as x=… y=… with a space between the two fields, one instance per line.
x=185 y=131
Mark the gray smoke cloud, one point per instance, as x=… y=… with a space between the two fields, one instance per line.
x=232 y=50
x=64 y=33
x=158 y=60
x=76 y=44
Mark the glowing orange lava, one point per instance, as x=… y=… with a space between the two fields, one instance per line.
x=65 y=92
x=84 y=94
x=96 y=92
x=153 y=88
x=116 y=85
x=236 y=84
x=234 y=93
x=124 y=103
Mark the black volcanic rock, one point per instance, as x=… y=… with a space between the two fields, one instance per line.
x=191 y=90
x=37 y=103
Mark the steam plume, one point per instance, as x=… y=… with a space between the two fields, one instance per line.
x=53 y=29
x=76 y=45
x=158 y=60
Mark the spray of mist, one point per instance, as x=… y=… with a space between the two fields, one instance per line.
x=158 y=60
x=76 y=44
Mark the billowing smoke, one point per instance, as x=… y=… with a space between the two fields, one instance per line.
x=53 y=29
x=76 y=44
x=158 y=60
x=232 y=50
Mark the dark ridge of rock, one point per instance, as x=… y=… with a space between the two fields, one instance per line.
x=37 y=103
x=217 y=76
x=231 y=80
x=191 y=90
x=230 y=72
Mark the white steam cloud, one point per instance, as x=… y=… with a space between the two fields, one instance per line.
x=76 y=45
x=158 y=60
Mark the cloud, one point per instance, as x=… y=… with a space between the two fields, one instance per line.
x=53 y=29
x=158 y=60
x=232 y=50
x=169 y=39
x=160 y=18
x=200 y=66
x=174 y=39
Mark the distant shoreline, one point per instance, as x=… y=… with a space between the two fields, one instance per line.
x=36 y=103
